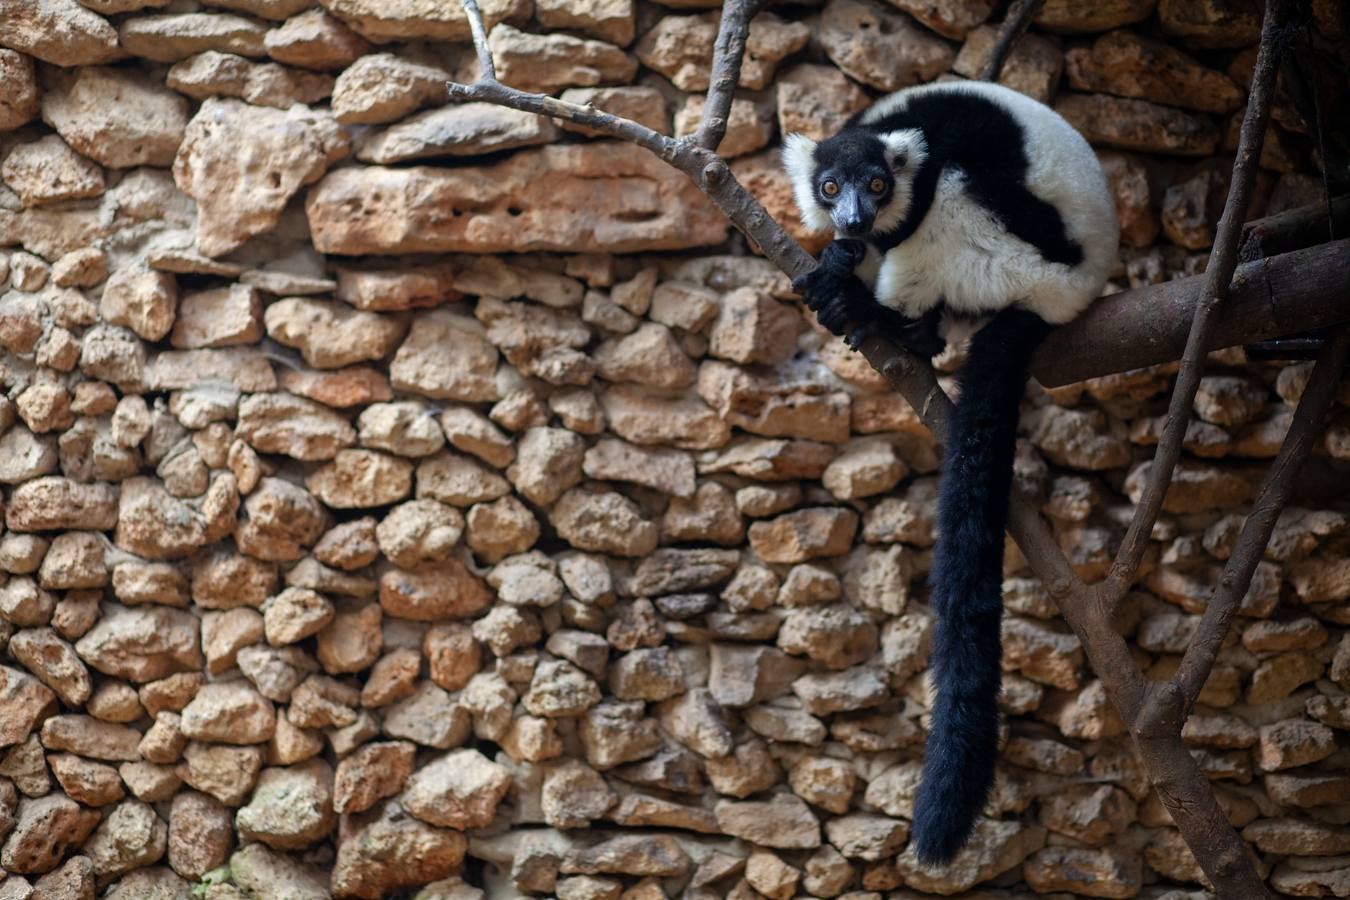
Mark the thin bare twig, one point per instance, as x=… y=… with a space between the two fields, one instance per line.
x=1251 y=542
x=1318 y=126
x=491 y=91
x=1015 y=23
x=728 y=54
x=487 y=69
x=488 y=89
x=1218 y=276
x=704 y=167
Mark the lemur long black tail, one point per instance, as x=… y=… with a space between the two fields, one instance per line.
x=967 y=580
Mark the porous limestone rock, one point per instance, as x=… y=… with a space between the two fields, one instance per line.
x=552 y=198
x=242 y=163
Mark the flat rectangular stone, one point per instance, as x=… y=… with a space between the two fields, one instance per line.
x=580 y=198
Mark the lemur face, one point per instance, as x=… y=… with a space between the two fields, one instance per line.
x=855 y=183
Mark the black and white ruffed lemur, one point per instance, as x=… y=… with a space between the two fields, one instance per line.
x=964 y=204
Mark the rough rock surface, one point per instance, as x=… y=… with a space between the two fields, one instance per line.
x=470 y=129
x=532 y=199
x=384 y=21
x=413 y=499
x=115 y=116
x=20 y=104
x=866 y=40
x=60 y=32
x=242 y=164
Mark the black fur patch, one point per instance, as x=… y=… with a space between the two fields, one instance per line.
x=983 y=140
x=967 y=579
x=847 y=152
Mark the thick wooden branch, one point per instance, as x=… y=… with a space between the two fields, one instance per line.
x=1218 y=276
x=1186 y=793
x=1295 y=228
x=1299 y=291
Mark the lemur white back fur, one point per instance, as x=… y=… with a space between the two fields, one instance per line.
x=961 y=254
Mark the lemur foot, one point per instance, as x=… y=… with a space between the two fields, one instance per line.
x=867 y=329
x=923 y=347
x=827 y=280
x=835 y=315
x=852 y=306
x=920 y=336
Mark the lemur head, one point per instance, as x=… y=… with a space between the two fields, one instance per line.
x=857 y=182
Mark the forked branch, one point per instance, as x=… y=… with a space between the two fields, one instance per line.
x=1218 y=276
x=488 y=89
x=912 y=377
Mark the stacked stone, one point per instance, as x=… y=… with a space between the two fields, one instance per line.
x=388 y=508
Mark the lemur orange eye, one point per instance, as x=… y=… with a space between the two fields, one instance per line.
x=877 y=185
x=829 y=188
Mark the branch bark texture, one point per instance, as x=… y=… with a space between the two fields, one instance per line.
x=1301 y=290
x=1153 y=711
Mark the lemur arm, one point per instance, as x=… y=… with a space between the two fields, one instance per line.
x=840 y=299
x=832 y=290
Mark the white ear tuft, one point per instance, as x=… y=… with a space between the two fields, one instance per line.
x=905 y=148
x=799 y=158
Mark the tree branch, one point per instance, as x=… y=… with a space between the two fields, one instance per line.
x=1294 y=229
x=1251 y=543
x=487 y=69
x=492 y=91
x=1218 y=276
x=1303 y=290
x=728 y=53
x=1015 y=23
x=1186 y=793
x=488 y=89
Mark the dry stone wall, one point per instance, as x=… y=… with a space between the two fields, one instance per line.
x=413 y=500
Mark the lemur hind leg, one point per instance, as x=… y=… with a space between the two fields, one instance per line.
x=922 y=336
x=919 y=336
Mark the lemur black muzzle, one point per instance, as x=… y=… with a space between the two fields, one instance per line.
x=853 y=214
